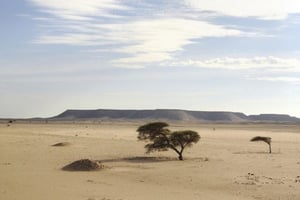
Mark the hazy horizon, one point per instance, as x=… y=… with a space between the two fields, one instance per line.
x=113 y=54
x=115 y=109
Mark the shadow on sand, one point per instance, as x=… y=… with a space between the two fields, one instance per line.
x=140 y=159
x=146 y=159
x=255 y=152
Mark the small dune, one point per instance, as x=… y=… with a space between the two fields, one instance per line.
x=83 y=165
x=61 y=144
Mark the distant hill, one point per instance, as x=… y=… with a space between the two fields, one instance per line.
x=169 y=114
x=273 y=117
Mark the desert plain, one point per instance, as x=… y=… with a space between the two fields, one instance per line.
x=223 y=165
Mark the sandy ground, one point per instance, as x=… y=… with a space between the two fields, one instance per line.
x=223 y=165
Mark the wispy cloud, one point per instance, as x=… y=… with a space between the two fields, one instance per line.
x=295 y=80
x=232 y=63
x=156 y=40
x=79 y=9
x=268 y=10
x=138 y=40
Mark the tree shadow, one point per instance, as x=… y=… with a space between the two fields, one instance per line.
x=255 y=152
x=151 y=159
x=140 y=159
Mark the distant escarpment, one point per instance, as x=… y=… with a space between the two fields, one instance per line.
x=273 y=118
x=169 y=114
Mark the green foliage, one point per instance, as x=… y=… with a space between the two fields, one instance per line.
x=184 y=138
x=260 y=138
x=157 y=144
x=267 y=140
x=151 y=130
x=162 y=139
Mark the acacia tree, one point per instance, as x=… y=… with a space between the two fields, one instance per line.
x=162 y=139
x=267 y=140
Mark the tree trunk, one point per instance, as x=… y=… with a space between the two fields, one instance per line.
x=180 y=156
x=177 y=151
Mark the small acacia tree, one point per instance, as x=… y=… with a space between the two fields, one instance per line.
x=267 y=140
x=162 y=139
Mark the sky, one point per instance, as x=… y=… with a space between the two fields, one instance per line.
x=221 y=55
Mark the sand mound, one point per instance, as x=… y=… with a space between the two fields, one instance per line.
x=83 y=165
x=61 y=144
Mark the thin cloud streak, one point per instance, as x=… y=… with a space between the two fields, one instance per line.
x=79 y=9
x=273 y=10
x=231 y=63
x=295 y=80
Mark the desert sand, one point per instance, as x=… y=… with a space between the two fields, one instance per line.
x=223 y=165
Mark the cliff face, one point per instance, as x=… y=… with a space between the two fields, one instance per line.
x=167 y=114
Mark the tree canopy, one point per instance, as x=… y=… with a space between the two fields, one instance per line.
x=160 y=138
x=267 y=140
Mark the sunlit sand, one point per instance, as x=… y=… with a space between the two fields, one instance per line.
x=224 y=164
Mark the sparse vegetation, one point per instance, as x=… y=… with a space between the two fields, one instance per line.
x=267 y=140
x=162 y=139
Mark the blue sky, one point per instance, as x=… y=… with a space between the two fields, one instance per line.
x=188 y=54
